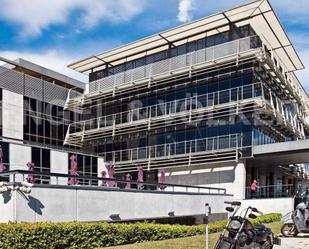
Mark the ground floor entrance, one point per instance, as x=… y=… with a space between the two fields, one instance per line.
x=274 y=181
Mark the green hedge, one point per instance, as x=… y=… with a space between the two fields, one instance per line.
x=93 y=235
x=267 y=218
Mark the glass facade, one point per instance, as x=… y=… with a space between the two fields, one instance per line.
x=41 y=159
x=86 y=166
x=177 y=89
x=46 y=123
x=204 y=90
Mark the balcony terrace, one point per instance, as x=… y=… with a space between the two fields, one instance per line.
x=178 y=154
x=248 y=47
x=234 y=101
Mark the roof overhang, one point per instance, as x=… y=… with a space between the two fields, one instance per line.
x=38 y=71
x=259 y=14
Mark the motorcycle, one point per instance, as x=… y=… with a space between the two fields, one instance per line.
x=240 y=233
x=297 y=221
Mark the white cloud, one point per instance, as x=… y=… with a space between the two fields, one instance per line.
x=290 y=11
x=51 y=59
x=110 y=11
x=35 y=15
x=185 y=8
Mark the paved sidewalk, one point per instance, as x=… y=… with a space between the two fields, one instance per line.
x=300 y=242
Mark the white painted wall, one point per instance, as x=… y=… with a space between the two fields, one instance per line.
x=12 y=114
x=217 y=175
x=20 y=155
x=86 y=88
x=231 y=176
x=6 y=208
x=68 y=204
x=274 y=205
x=59 y=164
x=101 y=166
x=239 y=184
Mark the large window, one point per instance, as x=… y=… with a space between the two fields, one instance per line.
x=41 y=159
x=45 y=123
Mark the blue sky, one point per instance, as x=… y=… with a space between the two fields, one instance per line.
x=55 y=33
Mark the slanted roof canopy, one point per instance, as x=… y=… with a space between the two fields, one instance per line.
x=259 y=14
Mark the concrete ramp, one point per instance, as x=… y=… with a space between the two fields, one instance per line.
x=80 y=203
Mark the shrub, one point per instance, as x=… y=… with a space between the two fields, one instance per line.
x=267 y=218
x=75 y=235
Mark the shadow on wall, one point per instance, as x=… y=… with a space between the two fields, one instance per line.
x=35 y=204
x=7 y=196
x=212 y=176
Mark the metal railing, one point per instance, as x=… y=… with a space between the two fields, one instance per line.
x=189 y=147
x=200 y=56
x=168 y=108
x=271 y=191
x=15 y=177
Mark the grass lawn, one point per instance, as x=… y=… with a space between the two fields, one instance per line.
x=197 y=242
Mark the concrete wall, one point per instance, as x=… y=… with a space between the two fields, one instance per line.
x=6 y=207
x=19 y=156
x=12 y=114
x=231 y=176
x=274 y=205
x=59 y=164
x=68 y=204
x=217 y=175
x=239 y=184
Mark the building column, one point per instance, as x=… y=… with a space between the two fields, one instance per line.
x=12 y=115
x=101 y=166
x=59 y=162
x=19 y=156
x=239 y=184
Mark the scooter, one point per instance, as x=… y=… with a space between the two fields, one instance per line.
x=297 y=221
x=240 y=233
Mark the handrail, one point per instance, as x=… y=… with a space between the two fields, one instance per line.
x=178 y=62
x=231 y=141
x=176 y=107
x=271 y=191
x=13 y=180
x=170 y=107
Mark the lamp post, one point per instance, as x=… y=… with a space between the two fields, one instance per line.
x=207 y=213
